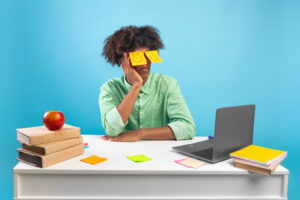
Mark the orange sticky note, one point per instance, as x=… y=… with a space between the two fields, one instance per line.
x=93 y=160
x=153 y=56
x=137 y=58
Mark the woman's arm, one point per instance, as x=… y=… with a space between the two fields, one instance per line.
x=127 y=104
x=181 y=120
x=114 y=115
x=162 y=133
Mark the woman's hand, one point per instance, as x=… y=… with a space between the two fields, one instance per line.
x=131 y=75
x=128 y=136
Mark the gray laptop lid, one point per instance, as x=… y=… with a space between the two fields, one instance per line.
x=233 y=130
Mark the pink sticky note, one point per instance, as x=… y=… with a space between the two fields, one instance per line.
x=190 y=162
x=180 y=160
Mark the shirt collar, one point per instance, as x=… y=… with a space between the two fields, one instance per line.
x=145 y=88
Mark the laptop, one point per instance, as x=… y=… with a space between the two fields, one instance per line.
x=233 y=131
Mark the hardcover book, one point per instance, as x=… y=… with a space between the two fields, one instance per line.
x=39 y=160
x=53 y=147
x=41 y=135
x=259 y=155
x=256 y=168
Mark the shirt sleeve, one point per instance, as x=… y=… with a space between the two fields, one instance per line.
x=181 y=121
x=111 y=119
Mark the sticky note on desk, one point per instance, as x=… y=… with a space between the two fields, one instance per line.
x=190 y=162
x=139 y=158
x=153 y=56
x=93 y=160
x=137 y=58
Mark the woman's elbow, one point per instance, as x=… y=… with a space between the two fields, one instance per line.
x=191 y=130
x=110 y=131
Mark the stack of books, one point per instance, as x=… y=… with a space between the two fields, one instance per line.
x=42 y=147
x=258 y=159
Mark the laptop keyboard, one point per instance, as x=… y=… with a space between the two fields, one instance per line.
x=207 y=153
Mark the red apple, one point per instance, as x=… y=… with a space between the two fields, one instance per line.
x=54 y=120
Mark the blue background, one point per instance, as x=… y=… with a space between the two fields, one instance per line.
x=223 y=53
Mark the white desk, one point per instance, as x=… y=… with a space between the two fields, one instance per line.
x=161 y=178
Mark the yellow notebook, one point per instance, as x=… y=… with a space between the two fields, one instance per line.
x=257 y=154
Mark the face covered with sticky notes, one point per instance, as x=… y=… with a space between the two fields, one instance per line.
x=139 y=58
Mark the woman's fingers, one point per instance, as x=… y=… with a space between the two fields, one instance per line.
x=124 y=64
x=126 y=60
x=131 y=74
x=105 y=137
x=127 y=64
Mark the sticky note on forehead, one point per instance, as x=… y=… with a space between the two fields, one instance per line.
x=137 y=58
x=153 y=56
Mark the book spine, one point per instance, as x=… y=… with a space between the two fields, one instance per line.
x=54 y=136
x=23 y=138
x=60 y=156
x=61 y=145
x=258 y=165
x=34 y=148
x=249 y=160
x=261 y=165
x=267 y=164
x=253 y=169
x=53 y=147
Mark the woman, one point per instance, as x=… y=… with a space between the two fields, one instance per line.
x=141 y=105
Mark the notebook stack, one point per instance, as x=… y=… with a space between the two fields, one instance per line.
x=42 y=147
x=258 y=159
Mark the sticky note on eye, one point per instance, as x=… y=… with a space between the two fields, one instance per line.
x=153 y=56
x=139 y=158
x=137 y=58
x=93 y=160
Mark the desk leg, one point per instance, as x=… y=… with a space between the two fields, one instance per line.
x=16 y=186
x=285 y=186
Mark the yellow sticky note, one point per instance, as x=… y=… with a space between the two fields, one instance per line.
x=137 y=58
x=153 y=56
x=93 y=160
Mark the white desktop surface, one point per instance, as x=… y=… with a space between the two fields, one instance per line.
x=232 y=182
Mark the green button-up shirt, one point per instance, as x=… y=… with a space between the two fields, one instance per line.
x=158 y=104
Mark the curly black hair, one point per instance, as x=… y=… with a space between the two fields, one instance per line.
x=128 y=38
